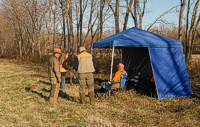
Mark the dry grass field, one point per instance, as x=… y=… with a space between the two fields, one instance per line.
x=24 y=90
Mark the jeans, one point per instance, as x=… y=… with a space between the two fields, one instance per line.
x=62 y=84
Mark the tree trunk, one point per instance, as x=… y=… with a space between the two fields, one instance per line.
x=81 y=22
x=191 y=32
x=102 y=3
x=135 y=13
x=117 y=16
x=78 y=27
x=127 y=13
x=183 y=3
x=187 y=43
x=71 y=33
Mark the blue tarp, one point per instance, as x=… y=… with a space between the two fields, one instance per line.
x=166 y=59
x=170 y=73
x=135 y=37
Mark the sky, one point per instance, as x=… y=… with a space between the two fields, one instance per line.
x=156 y=8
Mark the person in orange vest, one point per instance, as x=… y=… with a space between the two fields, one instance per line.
x=117 y=76
x=63 y=70
x=84 y=64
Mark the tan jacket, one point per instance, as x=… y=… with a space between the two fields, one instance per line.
x=53 y=69
x=84 y=63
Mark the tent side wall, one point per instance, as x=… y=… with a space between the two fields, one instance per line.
x=170 y=72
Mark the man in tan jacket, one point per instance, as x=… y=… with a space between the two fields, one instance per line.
x=54 y=75
x=84 y=64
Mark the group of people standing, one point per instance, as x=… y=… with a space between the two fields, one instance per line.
x=84 y=64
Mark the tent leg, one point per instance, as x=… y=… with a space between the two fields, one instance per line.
x=111 y=69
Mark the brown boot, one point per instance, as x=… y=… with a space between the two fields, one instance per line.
x=91 y=96
x=51 y=100
x=82 y=97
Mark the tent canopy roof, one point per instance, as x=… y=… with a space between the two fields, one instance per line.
x=135 y=37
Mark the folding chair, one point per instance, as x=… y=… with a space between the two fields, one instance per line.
x=123 y=81
x=107 y=86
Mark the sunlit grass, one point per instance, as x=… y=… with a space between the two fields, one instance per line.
x=25 y=88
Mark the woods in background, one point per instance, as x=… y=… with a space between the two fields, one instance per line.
x=32 y=29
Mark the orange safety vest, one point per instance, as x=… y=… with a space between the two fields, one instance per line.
x=117 y=77
x=62 y=69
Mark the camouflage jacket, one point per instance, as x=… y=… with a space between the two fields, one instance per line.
x=53 y=68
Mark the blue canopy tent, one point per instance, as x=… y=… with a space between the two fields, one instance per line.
x=152 y=54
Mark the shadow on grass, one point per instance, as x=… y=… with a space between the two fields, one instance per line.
x=67 y=97
x=61 y=94
x=196 y=91
x=196 y=96
x=28 y=89
x=45 y=83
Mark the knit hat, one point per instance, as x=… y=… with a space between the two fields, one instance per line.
x=120 y=66
x=57 y=50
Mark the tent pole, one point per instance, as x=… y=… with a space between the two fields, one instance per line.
x=111 y=69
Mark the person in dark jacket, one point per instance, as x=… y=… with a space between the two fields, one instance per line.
x=84 y=64
x=54 y=75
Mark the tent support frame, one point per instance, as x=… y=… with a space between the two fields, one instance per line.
x=111 y=69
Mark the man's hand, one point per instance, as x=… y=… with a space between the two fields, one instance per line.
x=59 y=80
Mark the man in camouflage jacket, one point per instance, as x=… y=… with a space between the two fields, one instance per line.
x=54 y=75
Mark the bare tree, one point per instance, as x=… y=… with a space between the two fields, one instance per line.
x=80 y=9
x=116 y=15
x=102 y=4
x=36 y=27
x=63 y=5
x=128 y=9
x=138 y=12
x=90 y=20
x=141 y=13
x=103 y=16
x=183 y=3
x=134 y=13
x=157 y=19
x=81 y=21
x=52 y=22
x=191 y=31
x=70 y=29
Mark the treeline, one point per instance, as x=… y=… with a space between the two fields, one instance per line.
x=33 y=28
